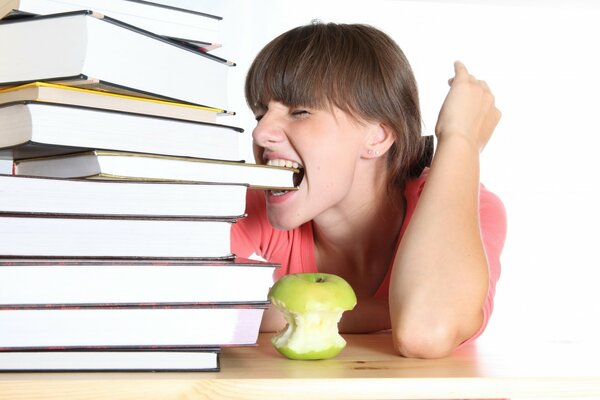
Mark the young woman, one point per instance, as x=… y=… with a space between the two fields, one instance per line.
x=420 y=246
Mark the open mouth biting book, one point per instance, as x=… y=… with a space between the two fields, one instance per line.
x=135 y=166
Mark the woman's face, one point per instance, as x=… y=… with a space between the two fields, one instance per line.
x=327 y=144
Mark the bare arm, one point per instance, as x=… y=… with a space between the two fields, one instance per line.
x=369 y=315
x=440 y=276
x=272 y=320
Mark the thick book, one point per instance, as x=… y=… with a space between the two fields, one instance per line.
x=100 y=236
x=62 y=94
x=123 y=281
x=86 y=48
x=23 y=194
x=123 y=165
x=153 y=325
x=124 y=359
x=158 y=18
x=33 y=129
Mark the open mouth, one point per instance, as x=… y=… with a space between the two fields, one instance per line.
x=298 y=175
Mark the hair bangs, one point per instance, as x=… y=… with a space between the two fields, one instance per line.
x=298 y=70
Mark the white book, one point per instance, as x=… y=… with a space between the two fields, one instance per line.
x=141 y=281
x=121 y=165
x=84 y=236
x=20 y=194
x=87 y=48
x=160 y=325
x=158 y=18
x=111 y=359
x=38 y=128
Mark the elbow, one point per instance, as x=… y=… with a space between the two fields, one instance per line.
x=431 y=342
x=424 y=338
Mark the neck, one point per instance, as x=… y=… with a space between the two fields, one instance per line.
x=362 y=231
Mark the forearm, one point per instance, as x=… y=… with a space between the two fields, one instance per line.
x=439 y=281
x=369 y=315
x=272 y=320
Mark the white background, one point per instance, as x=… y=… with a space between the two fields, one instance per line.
x=541 y=60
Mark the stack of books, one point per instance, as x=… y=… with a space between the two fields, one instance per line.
x=188 y=26
x=115 y=249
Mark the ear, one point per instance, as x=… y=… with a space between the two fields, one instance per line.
x=379 y=141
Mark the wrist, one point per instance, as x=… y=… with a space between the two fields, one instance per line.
x=458 y=141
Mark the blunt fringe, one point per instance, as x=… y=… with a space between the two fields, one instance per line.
x=356 y=68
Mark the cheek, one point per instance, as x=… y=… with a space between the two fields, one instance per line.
x=334 y=176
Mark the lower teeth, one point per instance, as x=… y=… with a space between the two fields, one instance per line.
x=278 y=192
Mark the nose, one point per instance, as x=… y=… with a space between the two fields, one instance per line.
x=268 y=131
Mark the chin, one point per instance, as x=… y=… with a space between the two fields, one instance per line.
x=284 y=223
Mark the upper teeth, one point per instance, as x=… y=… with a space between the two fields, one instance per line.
x=283 y=163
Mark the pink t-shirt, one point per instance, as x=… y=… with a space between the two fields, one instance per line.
x=294 y=249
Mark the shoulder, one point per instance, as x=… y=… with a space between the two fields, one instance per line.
x=256 y=220
x=492 y=221
x=414 y=187
x=255 y=202
x=491 y=208
x=489 y=201
x=255 y=235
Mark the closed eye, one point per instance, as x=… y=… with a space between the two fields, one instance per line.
x=300 y=113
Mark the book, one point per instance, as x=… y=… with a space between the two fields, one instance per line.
x=81 y=48
x=61 y=94
x=33 y=129
x=101 y=236
x=122 y=165
x=23 y=194
x=123 y=281
x=194 y=43
x=155 y=325
x=158 y=18
x=112 y=360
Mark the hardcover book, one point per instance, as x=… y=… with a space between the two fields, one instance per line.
x=61 y=94
x=101 y=236
x=33 y=129
x=25 y=194
x=80 y=48
x=188 y=325
x=158 y=18
x=138 y=281
x=122 y=165
x=117 y=359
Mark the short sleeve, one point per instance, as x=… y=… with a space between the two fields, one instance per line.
x=249 y=234
x=255 y=236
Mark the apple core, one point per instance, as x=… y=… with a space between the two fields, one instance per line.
x=312 y=305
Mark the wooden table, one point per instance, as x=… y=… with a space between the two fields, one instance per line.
x=366 y=369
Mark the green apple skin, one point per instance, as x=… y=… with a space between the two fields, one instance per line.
x=312 y=305
x=299 y=293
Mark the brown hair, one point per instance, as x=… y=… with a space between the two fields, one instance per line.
x=357 y=68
